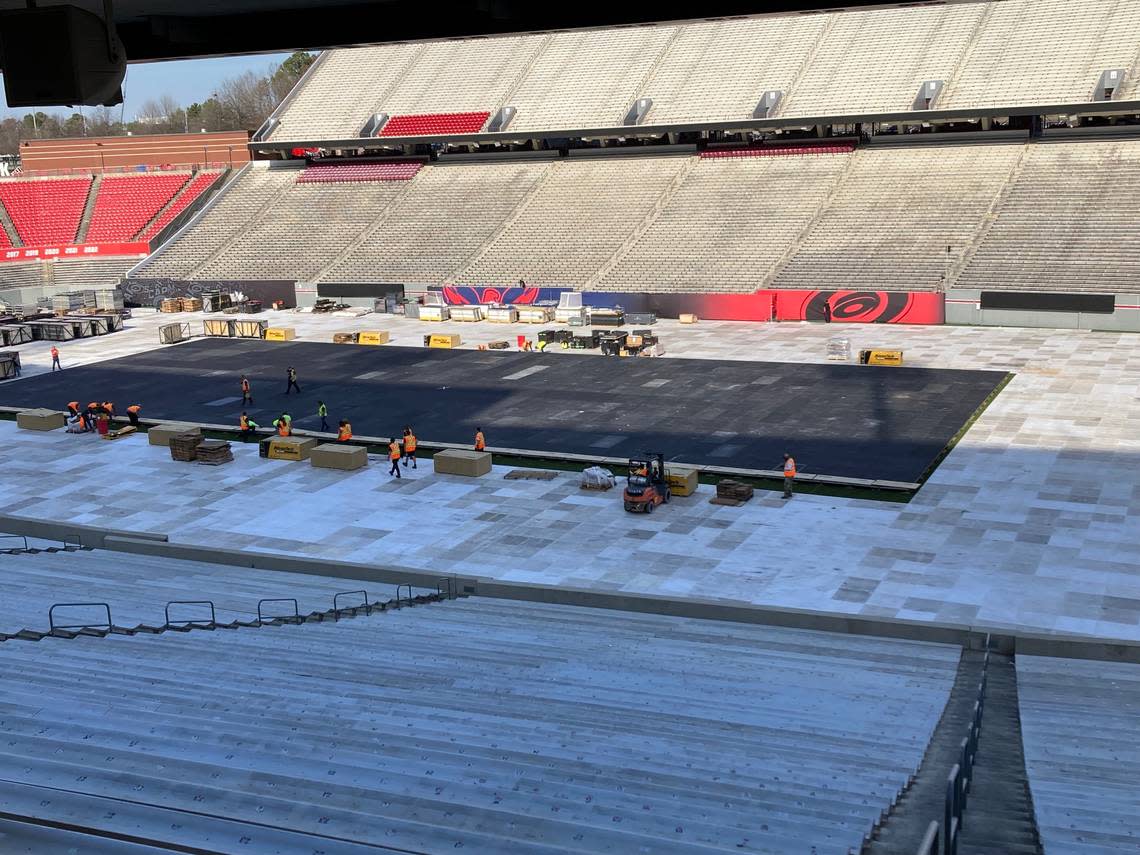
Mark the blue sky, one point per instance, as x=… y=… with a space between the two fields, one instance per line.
x=186 y=80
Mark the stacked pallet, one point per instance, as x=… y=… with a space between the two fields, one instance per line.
x=345 y=338
x=731 y=493
x=65 y=304
x=109 y=299
x=191 y=304
x=170 y=305
x=213 y=452
x=184 y=447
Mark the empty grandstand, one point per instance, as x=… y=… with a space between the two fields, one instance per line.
x=1002 y=53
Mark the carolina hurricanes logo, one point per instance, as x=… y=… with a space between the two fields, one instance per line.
x=864 y=307
x=468 y=295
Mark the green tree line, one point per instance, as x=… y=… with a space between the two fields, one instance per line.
x=240 y=103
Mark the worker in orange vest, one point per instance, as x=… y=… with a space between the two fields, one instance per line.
x=344 y=432
x=246 y=392
x=284 y=425
x=73 y=407
x=133 y=414
x=248 y=426
x=409 y=446
x=789 y=474
x=109 y=409
x=92 y=411
x=394 y=456
x=55 y=358
x=480 y=441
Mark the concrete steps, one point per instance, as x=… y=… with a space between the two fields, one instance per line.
x=497 y=726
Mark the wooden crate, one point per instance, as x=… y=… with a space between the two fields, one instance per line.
x=332 y=455
x=730 y=492
x=456 y=461
x=682 y=482
x=280 y=334
x=191 y=304
x=40 y=419
x=161 y=434
x=220 y=327
x=170 y=305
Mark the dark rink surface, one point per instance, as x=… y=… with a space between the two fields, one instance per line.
x=855 y=421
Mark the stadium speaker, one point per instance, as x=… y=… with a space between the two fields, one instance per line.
x=60 y=56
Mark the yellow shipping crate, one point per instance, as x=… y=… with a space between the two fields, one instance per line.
x=881 y=357
x=373 y=337
x=280 y=334
x=444 y=340
x=291 y=447
x=682 y=482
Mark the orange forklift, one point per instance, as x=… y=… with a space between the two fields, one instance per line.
x=646 y=487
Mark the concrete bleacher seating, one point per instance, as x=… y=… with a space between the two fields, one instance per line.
x=891 y=218
x=45 y=210
x=503 y=726
x=1068 y=223
x=91 y=272
x=728 y=224
x=574 y=221
x=333 y=173
x=839 y=62
x=125 y=204
x=1078 y=724
x=448 y=213
x=199 y=184
x=425 y=124
x=254 y=189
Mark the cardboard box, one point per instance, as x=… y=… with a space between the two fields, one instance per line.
x=291 y=447
x=373 y=337
x=280 y=334
x=40 y=420
x=687 y=319
x=455 y=461
x=339 y=456
x=682 y=482
x=161 y=434
x=881 y=357
x=444 y=340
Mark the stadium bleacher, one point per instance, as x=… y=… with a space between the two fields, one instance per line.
x=126 y=203
x=1078 y=722
x=839 y=62
x=199 y=184
x=787 y=737
x=45 y=210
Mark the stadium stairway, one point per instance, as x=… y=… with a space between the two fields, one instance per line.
x=999 y=817
x=89 y=208
x=11 y=237
x=489 y=725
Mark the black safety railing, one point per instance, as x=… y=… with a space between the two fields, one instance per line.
x=212 y=622
x=18 y=537
x=400 y=588
x=295 y=617
x=364 y=604
x=53 y=626
x=72 y=541
x=958 y=781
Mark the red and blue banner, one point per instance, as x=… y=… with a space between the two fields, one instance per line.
x=847 y=306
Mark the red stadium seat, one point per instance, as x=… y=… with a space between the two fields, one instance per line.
x=435 y=123
x=126 y=203
x=201 y=182
x=47 y=211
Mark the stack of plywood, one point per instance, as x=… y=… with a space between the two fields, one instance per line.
x=214 y=452
x=191 y=304
x=732 y=493
x=170 y=305
x=184 y=446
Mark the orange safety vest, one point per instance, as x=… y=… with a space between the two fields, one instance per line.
x=54 y=352
x=393 y=450
x=409 y=442
x=243 y=422
x=133 y=408
x=73 y=406
x=109 y=407
x=480 y=443
x=344 y=433
x=790 y=468
x=282 y=427
x=245 y=385
x=94 y=405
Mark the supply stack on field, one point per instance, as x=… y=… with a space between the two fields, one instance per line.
x=214 y=452
x=731 y=493
x=184 y=446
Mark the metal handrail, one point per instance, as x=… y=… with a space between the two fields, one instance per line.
x=296 y=616
x=69 y=539
x=51 y=617
x=337 y=610
x=19 y=537
x=213 y=617
x=930 y=840
x=401 y=587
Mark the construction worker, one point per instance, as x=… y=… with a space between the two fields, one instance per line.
x=55 y=358
x=248 y=426
x=92 y=411
x=284 y=425
x=323 y=412
x=291 y=377
x=394 y=456
x=344 y=431
x=409 y=446
x=73 y=407
x=246 y=391
x=789 y=474
x=133 y=414
x=109 y=409
x=480 y=440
